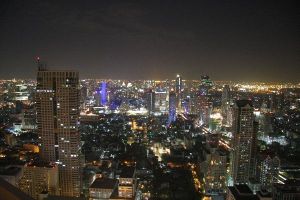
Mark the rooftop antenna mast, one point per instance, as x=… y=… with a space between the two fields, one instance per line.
x=41 y=66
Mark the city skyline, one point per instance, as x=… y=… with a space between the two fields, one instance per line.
x=249 y=41
x=149 y=100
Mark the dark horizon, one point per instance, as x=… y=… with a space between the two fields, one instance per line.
x=143 y=40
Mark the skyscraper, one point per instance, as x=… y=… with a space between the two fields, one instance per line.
x=161 y=105
x=178 y=87
x=203 y=98
x=214 y=169
x=172 y=107
x=101 y=95
x=57 y=103
x=178 y=90
x=242 y=129
x=205 y=85
x=225 y=101
x=150 y=101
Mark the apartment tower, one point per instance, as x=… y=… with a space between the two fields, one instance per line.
x=57 y=103
x=243 y=131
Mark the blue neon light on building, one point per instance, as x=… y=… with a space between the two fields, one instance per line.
x=103 y=94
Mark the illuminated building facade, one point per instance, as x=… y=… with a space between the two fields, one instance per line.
x=103 y=93
x=203 y=100
x=214 y=170
x=57 y=103
x=38 y=178
x=243 y=130
x=205 y=108
x=205 y=85
x=172 y=107
x=102 y=188
x=178 y=91
x=225 y=106
x=268 y=170
x=127 y=183
x=161 y=103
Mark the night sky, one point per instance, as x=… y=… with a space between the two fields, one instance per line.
x=228 y=40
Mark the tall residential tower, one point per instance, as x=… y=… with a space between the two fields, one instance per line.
x=242 y=145
x=57 y=103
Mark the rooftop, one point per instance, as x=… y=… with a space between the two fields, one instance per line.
x=243 y=103
x=242 y=192
x=127 y=172
x=105 y=183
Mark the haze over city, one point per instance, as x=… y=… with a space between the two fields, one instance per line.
x=242 y=40
x=149 y=100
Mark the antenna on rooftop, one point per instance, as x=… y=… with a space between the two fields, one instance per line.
x=41 y=66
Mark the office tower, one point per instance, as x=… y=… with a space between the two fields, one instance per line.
x=205 y=85
x=100 y=95
x=103 y=93
x=178 y=87
x=178 y=91
x=39 y=177
x=150 y=101
x=205 y=107
x=203 y=98
x=172 y=107
x=57 y=104
x=242 y=129
x=161 y=97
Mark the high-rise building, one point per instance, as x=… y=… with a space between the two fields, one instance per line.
x=178 y=91
x=39 y=177
x=203 y=98
x=178 y=87
x=214 y=169
x=150 y=101
x=205 y=85
x=243 y=130
x=100 y=95
x=268 y=170
x=172 y=107
x=225 y=102
x=161 y=105
x=103 y=93
x=205 y=108
x=57 y=104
